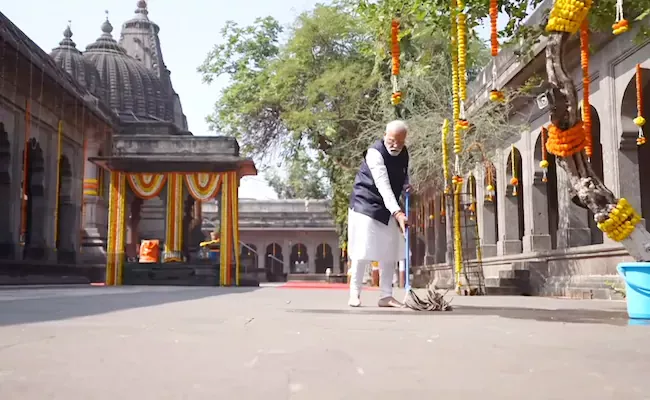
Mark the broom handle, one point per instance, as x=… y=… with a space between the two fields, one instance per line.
x=407 y=259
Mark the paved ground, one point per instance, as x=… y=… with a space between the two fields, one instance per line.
x=270 y=343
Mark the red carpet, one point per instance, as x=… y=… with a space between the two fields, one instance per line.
x=319 y=285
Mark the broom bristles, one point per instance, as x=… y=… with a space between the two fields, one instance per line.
x=433 y=301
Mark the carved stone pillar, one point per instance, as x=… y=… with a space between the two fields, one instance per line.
x=286 y=253
x=336 y=256
x=311 y=254
x=536 y=237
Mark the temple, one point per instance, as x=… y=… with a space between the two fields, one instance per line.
x=110 y=170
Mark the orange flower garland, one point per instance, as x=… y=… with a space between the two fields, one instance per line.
x=566 y=143
x=495 y=95
x=639 y=120
x=396 y=97
x=621 y=25
x=584 y=62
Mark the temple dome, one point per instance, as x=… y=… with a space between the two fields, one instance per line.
x=69 y=58
x=131 y=88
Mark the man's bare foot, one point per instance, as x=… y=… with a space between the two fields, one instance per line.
x=354 y=301
x=389 y=302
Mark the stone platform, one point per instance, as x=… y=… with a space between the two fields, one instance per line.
x=269 y=343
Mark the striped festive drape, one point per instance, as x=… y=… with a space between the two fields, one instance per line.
x=147 y=186
x=174 y=231
x=116 y=229
x=229 y=229
x=203 y=186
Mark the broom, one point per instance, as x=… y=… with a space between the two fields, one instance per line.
x=433 y=301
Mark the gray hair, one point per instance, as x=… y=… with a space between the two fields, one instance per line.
x=397 y=126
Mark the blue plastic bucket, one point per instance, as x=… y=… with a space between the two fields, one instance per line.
x=637 y=285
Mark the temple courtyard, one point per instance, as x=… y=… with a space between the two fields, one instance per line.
x=299 y=343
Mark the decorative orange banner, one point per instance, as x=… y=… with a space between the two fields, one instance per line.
x=147 y=186
x=203 y=186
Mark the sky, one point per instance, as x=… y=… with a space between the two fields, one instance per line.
x=188 y=30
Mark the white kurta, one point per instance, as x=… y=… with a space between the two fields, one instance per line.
x=369 y=239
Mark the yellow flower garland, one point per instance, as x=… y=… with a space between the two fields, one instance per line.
x=621 y=222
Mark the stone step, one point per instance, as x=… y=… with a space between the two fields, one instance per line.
x=522 y=274
x=503 y=291
x=494 y=282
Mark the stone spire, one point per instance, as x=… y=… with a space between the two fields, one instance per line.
x=67 y=42
x=142 y=9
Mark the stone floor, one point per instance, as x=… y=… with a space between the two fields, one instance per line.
x=271 y=343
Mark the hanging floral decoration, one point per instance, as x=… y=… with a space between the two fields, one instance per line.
x=621 y=25
x=495 y=94
x=544 y=163
x=490 y=190
x=146 y=186
x=639 y=120
x=586 y=108
x=514 y=181
x=472 y=198
x=396 y=97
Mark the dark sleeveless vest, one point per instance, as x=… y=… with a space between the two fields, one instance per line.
x=365 y=198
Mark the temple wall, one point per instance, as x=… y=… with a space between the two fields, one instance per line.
x=566 y=254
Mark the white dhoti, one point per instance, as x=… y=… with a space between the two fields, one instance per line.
x=370 y=240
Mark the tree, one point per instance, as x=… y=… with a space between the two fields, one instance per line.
x=425 y=16
x=304 y=179
x=327 y=91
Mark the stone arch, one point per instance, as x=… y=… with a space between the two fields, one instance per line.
x=515 y=199
x=33 y=235
x=633 y=160
x=469 y=218
x=299 y=259
x=544 y=197
x=248 y=257
x=274 y=262
x=6 y=234
x=324 y=258
x=489 y=212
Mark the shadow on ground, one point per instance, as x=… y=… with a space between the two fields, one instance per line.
x=61 y=305
x=619 y=318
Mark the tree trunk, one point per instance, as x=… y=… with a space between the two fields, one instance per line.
x=585 y=185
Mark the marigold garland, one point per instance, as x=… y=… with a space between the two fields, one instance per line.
x=566 y=143
x=621 y=222
x=621 y=25
x=454 y=65
x=584 y=62
x=639 y=120
x=567 y=15
x=396 y=97
x=495 y=95
x=544 y=163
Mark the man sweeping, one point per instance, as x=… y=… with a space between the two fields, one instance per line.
x=376 y=222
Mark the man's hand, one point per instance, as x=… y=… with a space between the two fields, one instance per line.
x=402 y=222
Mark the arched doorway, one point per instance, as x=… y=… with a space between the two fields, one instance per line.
x=514 y=204
x=634 y=161
x=6 y=234
x=66 y=219
x=248 y=257
x=299 y=260
x=274 y=263
x=33 y=226
x=324 y=258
